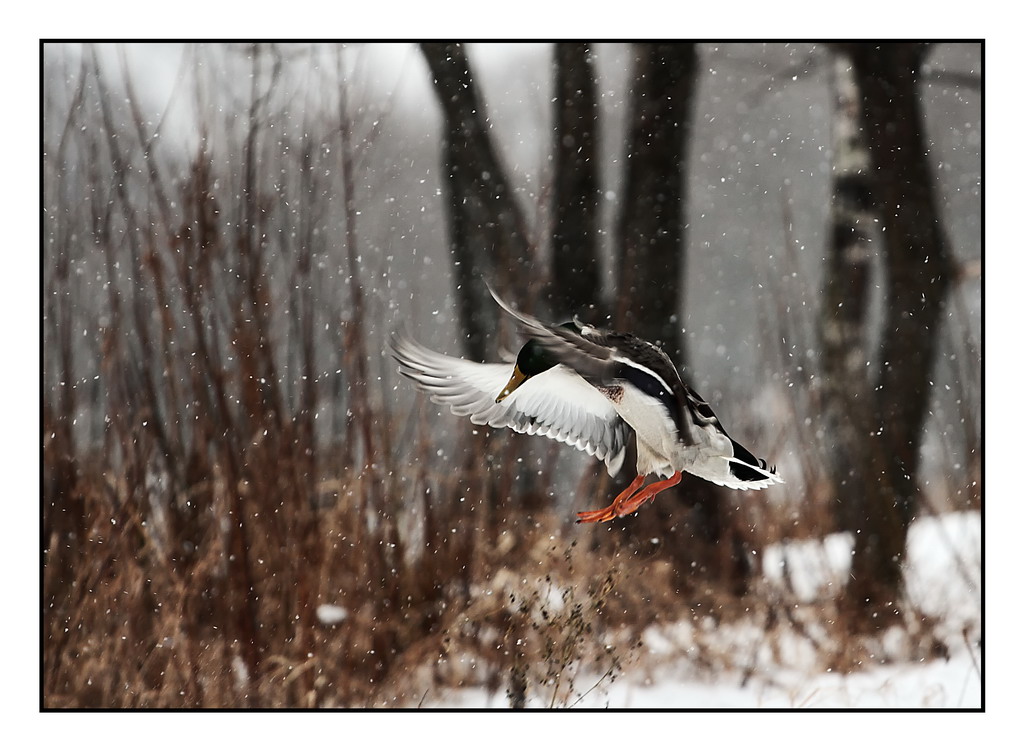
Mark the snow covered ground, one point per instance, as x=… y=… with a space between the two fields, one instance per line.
x=935 y=684
x=943 y=583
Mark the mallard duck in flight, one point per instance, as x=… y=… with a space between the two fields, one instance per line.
x=592 y=389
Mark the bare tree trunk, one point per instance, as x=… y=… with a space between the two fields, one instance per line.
x=691 y=522
x=575 y=270
x=651 y=226
x=489 y=242
x=918 y=266
x=846 y=393
x=488 y=233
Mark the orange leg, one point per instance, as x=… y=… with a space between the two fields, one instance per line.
x=627 y=503
x=608 y=513
x=631 y=504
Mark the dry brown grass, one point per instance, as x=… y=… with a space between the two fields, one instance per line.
x=438 y=590
x=136 y=618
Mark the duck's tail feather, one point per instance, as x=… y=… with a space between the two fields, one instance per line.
x=747 y=468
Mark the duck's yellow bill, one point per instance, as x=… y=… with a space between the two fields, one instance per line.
x=518 y=377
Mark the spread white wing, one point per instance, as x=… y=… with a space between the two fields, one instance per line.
x=558 y=403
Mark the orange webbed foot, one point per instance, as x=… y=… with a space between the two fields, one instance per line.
x=610 y=512
x=626 y=502
x=597 y=515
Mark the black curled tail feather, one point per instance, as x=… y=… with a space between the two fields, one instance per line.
x=749 y=467
x=746 y=473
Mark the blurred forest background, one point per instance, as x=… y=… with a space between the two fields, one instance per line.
x=245 y=505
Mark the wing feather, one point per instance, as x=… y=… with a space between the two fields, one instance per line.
x=558 y=403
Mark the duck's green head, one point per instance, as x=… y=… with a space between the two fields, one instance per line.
x=533 y=360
